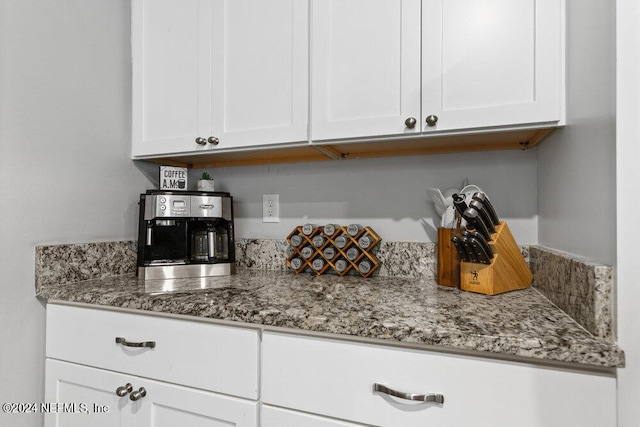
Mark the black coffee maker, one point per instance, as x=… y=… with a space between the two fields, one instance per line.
x=185 y=234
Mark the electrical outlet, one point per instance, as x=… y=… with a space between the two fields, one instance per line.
x=270 y=208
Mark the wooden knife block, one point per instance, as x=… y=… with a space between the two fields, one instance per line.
x=448 y=259
x=508 y=270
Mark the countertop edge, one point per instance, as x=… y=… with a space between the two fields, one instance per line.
x=443 y=349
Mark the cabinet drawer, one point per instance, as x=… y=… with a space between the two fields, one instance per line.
x=202 y=355
x=336 y=379
x=277 y=417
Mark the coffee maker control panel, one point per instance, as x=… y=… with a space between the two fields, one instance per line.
x=187 y=206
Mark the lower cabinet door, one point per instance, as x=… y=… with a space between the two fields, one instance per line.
x=79 y=396
x=82 y=396
x=168 y=405
x=278 y=417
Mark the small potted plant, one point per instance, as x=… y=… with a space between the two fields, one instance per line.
x=205 y=183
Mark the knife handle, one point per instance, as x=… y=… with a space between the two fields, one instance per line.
x=459 y=204
x=459 y=248
x=481 y=197
x=483 y=242
x=483 y=214
x=475 y=222
x=471 y=255
x=481 y=254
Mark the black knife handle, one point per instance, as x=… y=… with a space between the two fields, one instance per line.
x=471 y=255
x=479 y=206
x=459 y=204
x=481 y=254
x=482 y=241
x=474 y=222
x=481 y=197
x=459 y=248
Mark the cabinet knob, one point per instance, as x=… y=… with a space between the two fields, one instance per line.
x=201 y=141
x=124 y=390
x=432 y=120
x=410 y=122
x=213 y=140
x=138 y=394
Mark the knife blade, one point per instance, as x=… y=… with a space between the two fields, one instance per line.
x=457 y=243
x=481 y=239
x=482 y=256
x=474 y=222
x=483 y=214
x=482 y=197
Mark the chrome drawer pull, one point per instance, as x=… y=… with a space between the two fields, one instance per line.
x=437 y=398
x=148 y=344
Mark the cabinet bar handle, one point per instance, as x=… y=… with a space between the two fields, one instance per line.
x=437 y=398
x=124 y=342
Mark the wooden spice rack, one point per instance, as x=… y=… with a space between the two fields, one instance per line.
x=507 y=271
x=341 y=253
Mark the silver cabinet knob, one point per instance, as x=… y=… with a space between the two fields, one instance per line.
x=213 y=140
x=201 y=141
x=432 y=120
x=124 y=390
x=138 y=394
x=410 y=122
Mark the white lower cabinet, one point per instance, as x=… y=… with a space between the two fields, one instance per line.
x=85 y=396
x=278 y=417
x=336 y=379
x=107 y=368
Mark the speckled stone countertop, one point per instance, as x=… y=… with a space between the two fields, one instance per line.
x=405 y=311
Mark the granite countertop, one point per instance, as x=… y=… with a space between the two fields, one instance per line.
x=405 y=311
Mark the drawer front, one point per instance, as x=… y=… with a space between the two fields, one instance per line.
x=211 y=357
x=278 y=417
x=336 y=379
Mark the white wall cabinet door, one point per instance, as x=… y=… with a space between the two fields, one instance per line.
x=232 y=70
x=491 y=63
x=365 y=67
x=164 y=405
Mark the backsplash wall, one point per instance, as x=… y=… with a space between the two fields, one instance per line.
x=387 y=194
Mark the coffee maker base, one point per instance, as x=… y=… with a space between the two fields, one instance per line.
x=159 y=272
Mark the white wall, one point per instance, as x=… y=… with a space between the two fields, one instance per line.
x=387 y=194
x=576 y=165
x=65 y=173
x=628 y=263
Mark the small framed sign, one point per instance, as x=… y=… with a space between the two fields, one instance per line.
x=173 y=178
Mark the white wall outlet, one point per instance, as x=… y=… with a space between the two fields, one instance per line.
x=270 y=208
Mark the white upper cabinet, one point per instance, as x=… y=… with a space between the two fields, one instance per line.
x=231 y=72
x=212 y=76
x=491 y=63
x=458 y=65
x=365 y=67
